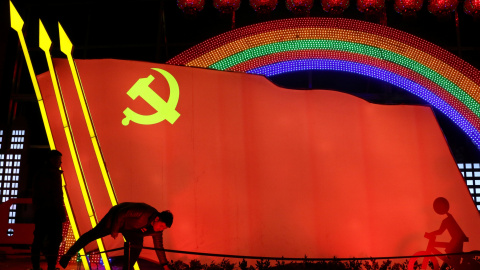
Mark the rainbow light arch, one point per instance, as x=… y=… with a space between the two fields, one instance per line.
x=439 y=77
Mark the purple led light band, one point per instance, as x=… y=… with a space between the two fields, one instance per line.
x=373 y=72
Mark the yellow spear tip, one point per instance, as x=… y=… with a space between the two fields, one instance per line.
x=16 y=21
x=44 y=40
x=65 y=44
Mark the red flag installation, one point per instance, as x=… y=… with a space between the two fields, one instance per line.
x=253 y=169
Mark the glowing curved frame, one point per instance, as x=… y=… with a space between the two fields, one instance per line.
x=445 y=81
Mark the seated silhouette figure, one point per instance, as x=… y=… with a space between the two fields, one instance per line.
x=461 y=261
x=441 y=207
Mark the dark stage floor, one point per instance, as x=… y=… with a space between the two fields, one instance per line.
x=23 y=263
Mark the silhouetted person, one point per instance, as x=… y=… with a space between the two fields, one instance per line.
x=49 y=211
x=441 y=207
x=134 y=221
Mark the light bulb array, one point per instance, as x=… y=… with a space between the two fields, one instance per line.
x=367 y=60
x=407 y=7
x=373 y=72
x=335 y=7
x=191 y=6
x=68 y=239
x=472 y=8
x=357 y=48
x=432 y=68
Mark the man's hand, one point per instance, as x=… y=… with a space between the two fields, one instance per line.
x=166 y=267
x=114 y=235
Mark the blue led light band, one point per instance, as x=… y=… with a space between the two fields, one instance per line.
x=377 y=73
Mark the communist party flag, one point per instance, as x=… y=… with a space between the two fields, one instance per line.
x=251 y=168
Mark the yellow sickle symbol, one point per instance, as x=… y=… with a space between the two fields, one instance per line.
x=165 y=110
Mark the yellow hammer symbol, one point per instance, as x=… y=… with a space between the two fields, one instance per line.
x=165 y=110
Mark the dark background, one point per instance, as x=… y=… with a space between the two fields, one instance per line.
x=157 y=30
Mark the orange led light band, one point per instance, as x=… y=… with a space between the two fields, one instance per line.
x=457 y=82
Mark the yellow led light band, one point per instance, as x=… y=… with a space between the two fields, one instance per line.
x=45 y=44
x=345 y=46
x=17 y=24
x=381 y=42
x=66 y=47
x=247 y=49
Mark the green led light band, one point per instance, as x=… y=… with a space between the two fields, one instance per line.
x=316 y=44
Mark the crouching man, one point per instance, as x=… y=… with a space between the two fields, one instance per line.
x=134 y=221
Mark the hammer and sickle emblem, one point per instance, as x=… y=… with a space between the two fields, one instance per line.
x=165 y=110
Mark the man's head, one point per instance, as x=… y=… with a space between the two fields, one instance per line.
x=54 y=158
x=162 y=221
x=441 y=206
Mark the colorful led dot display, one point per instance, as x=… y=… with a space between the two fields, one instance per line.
x=374 y=72
x=441 y=78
